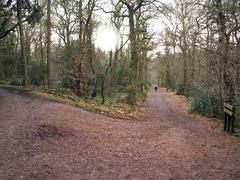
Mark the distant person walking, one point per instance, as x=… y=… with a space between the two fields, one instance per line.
x=155 y=88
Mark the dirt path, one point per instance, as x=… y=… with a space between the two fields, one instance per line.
x=40 y=139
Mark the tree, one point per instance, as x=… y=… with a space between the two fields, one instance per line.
x=49 y=60
x=13 y=15
x=82 y=66
x=224 y=43
x=117 y=22
x=65 y=23
x=31 y=13
x=132 y=8
x=23 y=49
x=103 y=77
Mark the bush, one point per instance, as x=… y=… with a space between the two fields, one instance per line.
x=185 y=90
x=201 y=103
x=237 y=106
x=16 y=82
x=57 y=86
x=36 y=73
x=123 y=75
x=238 y=101
x=121 y=98
x=131 y=97
x=68 y=82
x=208 y=104
x=141 y=96
x=108 y=100
x=64 y=84
x=180 y=89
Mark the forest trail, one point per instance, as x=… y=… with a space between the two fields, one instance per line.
x=40 y=139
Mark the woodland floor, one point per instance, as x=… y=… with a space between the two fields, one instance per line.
x=41 y=139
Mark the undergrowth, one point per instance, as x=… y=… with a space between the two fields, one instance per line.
x=112 y=104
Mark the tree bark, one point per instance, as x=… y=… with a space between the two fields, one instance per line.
x=23 y=49
x=132 y=90
x=79 y=86
x=104 y=76
x=223 y=51
x=42 y=54
x=49 y=59
x=114 y=71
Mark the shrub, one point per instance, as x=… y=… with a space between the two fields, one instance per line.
x=16 y=82
x=36 y=73
x=205 y=103
x=180 y=89
x=201 y=103
x=237 y=106
x=131 y=97
x=141 y=96
x=121 y=98
x=68 y=82
x=57 y=86
x=238 y=101
x=123 y=75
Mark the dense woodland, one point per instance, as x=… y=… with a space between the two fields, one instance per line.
x=201 y=54
x=195 y=52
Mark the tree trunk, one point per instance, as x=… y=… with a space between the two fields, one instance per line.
x=223 y=51
x=103 y=89
x=27 y=46
x=81 y=51
x=132 y=89
x=145 y=69
x=168 y=80
x=42 y=54
x=114 y=71
x=104 y=76
x=16 y=59
x=185 y=81
x=23 y=50
x=49 y=60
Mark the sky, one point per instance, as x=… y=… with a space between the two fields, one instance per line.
x=105 y=38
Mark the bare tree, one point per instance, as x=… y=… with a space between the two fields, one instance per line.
x=132 y=8
x=49 y=59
